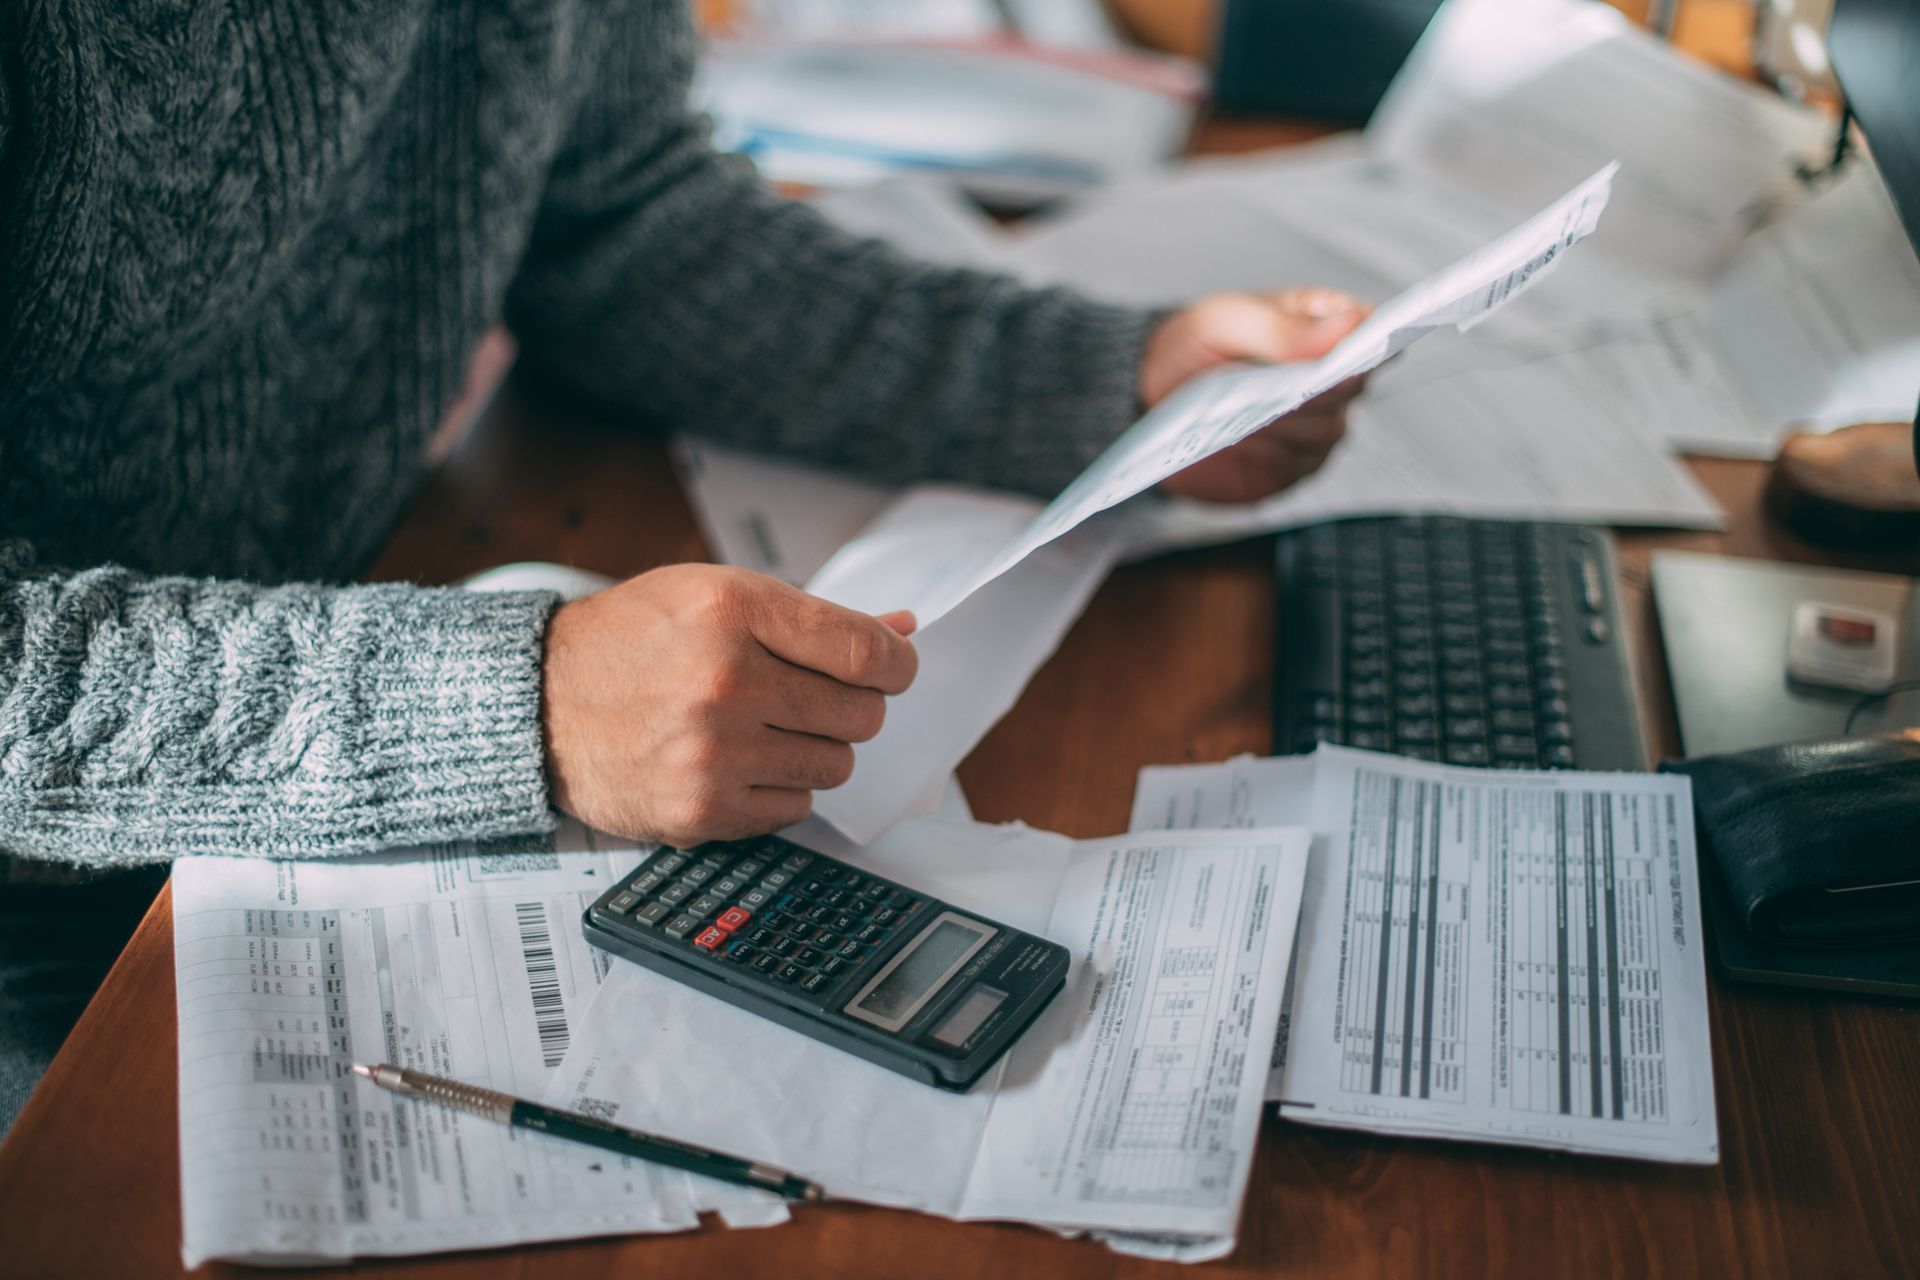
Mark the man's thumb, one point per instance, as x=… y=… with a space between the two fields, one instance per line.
x=901 y=620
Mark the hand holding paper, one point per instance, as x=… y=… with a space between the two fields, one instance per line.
x=1213 y=412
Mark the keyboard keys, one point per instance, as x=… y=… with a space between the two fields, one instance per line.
x=704 y=905
x=734 y=918
x=696 y=875
x=710 y=938
x=675 y=894
x=652 y=914
x=747 y=868
x=756 y=899
x=681 y=925
x=623 y=902
x=667 y=863
x=728 y=885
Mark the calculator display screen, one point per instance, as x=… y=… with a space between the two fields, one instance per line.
x=915 y=974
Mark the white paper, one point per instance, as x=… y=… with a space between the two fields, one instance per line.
x=457 y=961
x=1220 y=409
x=1819 y=314
x=771 y=514
x=1012 y=125
x=1136 y=1079
x=1448 y=1023
x=1515 y=99
x=1439 y=436
x=975 y=660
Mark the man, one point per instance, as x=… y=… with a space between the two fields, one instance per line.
x=247 y=254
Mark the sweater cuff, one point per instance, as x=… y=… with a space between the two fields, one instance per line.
x=1073 y=385
x=447 y=691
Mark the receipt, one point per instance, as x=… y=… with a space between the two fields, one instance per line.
x=459 y=961
x=1508 y=956
x=1131 y=1105
x=1220 y=409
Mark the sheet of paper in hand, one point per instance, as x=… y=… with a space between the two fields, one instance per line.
x=1220 y=409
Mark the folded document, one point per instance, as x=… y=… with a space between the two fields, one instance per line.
x=1509 y=957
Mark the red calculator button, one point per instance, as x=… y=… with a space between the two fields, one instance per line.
x=732 y=918
x=710 y=938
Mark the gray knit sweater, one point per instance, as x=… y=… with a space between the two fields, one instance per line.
x=247 y=250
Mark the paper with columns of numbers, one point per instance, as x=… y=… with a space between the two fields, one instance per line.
x=1507 y=956
x=461 y=961
x=1131 y=1106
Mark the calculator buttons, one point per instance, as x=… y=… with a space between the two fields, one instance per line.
x=833 y=966
x=710 y=938
x=728 y=885
x=885 y=916
x=668 y=863
x=647 y=881
x=756 y=899
x=651 y=914
x=733 y=918
x=848 y=949
x=748 y=868
x=717 y=856
x=704 y=905
x=697 y=876
x=776 y=880
x=681 y=925
x=623 y=902
x=814 y=983
x=843 y=922
x=797 y=861
x=766 y=962
x=675 y=894
x=868 y=933
x=783 y=945
x=788 y=971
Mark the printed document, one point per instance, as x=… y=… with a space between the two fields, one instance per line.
x=1132 y=1105
x=460 y=961
x=1508 y=957
x=1220 y=409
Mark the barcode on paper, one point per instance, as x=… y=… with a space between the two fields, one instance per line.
x=543 y=981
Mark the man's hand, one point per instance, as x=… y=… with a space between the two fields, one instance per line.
x=1296 y=324
x=705 y=703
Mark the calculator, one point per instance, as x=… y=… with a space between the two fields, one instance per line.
x=862 y=963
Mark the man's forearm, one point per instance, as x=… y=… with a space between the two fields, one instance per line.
x=143 y=719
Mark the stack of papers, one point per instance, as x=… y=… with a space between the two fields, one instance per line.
x=1015 y=124
x=1510 y=957
x=1132 y=1106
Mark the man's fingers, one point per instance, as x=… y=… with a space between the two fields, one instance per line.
x=1314 y=301
x=808 y=702
x=1303 y=431
x=1336 y=396
x=851 y=647
x=798 y=761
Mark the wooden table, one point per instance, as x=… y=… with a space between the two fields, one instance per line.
x=1819 y=1097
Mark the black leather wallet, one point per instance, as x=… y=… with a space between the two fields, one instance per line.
x=1816 y=844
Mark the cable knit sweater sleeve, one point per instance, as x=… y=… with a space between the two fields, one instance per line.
x=143 y=719
x=664 y=280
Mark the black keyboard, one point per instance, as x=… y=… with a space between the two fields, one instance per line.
x=1476 y=642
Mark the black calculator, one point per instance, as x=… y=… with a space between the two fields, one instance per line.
x=864 y=964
